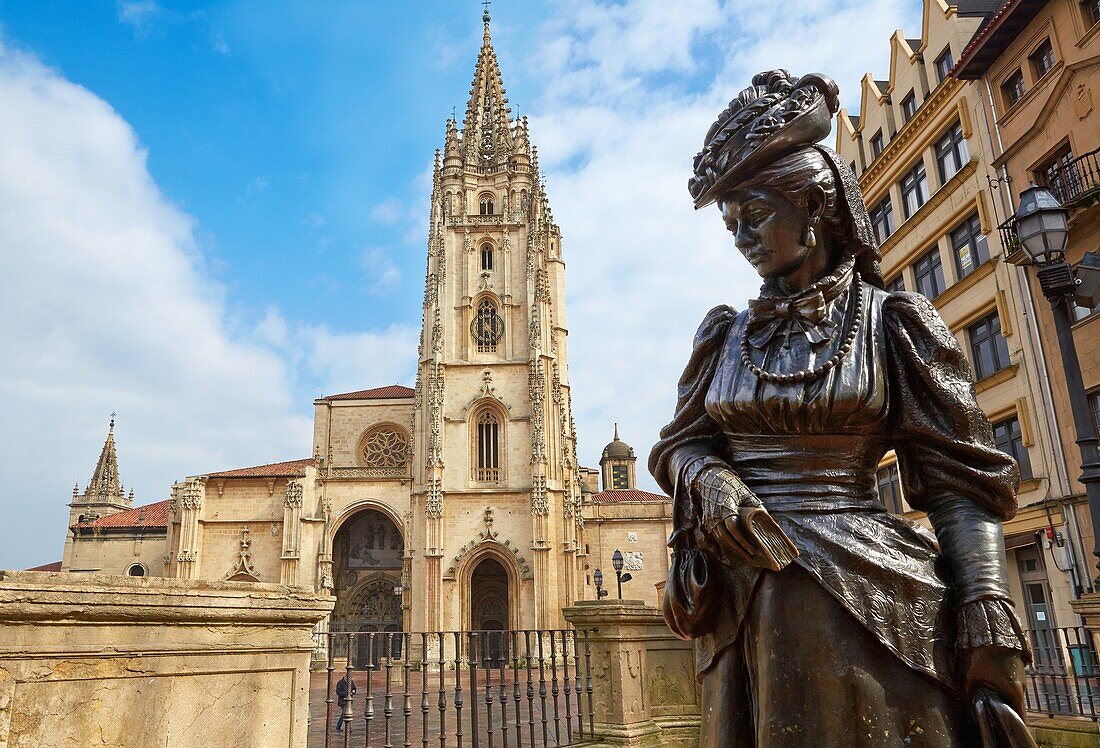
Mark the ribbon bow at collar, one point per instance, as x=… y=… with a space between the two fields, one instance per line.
x=805 y=314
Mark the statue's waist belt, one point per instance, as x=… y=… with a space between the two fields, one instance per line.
x=815 y=472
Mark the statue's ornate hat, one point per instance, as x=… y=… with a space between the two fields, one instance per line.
x=772 y=117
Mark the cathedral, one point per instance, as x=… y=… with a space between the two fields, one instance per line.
x=458 y=504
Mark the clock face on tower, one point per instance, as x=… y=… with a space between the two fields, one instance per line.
x=488 y=327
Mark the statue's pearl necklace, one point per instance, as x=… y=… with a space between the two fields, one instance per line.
x=809 y=375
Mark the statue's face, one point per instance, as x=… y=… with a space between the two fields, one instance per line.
x=767 y=228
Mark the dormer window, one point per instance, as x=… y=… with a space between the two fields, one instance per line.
x=944 y=63
x=486 y=257
x=877 y=144
x=485 y=205
x=908 y=106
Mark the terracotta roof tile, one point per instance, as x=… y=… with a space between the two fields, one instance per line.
x=150 y=515
x=288 y=469
x=55 y=566
x=626 y=496
x=389 y=392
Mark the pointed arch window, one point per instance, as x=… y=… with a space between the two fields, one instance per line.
x=488 y=327
x=485 y=205
x=486 y=256
x=488 y=447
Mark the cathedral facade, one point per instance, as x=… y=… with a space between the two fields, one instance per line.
x=458 y=504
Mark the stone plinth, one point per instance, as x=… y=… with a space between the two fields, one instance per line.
x=125 y=661
x=645 y=692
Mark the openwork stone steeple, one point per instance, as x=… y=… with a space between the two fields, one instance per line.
x=486 y=128
x=105 y=487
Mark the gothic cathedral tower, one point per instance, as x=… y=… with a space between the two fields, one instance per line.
x=495 y=480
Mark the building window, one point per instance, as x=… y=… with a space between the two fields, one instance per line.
x=1009 y=439
x=987 y=346
x=486 y=256
x=914 y=189
x=852 y=165
x=969 y=245
x=488 y=447
x=928 y=274
x=897 y=284
x=488 y=327
x=485 y=205
x=908 y=106
x=944 y=63
x=1042 y=59
x=1013 y=88
x=882 y=220
x=620 y=477
x=889 y=488
x=1094 y=408
x=136 y=570
x=952 y=153
x=1092 y=10
x=877 y=144
x=1059 y=174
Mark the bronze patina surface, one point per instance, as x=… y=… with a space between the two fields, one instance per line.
x=819 y=617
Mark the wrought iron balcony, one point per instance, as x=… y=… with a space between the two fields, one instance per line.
x=1077 y=181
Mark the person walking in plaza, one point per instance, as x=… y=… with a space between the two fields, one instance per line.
x=345 y=690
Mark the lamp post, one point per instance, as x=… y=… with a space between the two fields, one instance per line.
x=617 y=563
x=597 y=577
x=1042 y=226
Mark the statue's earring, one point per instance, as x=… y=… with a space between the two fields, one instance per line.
x=811 y=236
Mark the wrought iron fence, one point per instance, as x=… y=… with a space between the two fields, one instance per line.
x=1064 y=676
x=491 y=689
x=1076 y=179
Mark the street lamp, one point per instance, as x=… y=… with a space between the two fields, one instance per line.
x=1042 y=226
x=597 y=577
x=398 y=588
x=617 y=563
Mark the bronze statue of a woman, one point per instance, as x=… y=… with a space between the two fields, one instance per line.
x=819 y=617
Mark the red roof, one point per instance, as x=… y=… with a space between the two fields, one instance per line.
x=55 y=566
x=626 y=496
x=389 y=392
x=150 y=515
x=991 y=39
x=288 y=469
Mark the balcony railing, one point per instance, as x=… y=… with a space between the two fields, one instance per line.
x=1064 y=676
x=1077 y=180
x=467 y=689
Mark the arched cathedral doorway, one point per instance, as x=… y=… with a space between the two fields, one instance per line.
x=367 y=558
x=489 y=606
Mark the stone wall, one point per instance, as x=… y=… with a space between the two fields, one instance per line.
x=121 y=661
x=645 y=693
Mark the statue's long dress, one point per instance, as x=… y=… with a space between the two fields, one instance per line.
x=854 y=643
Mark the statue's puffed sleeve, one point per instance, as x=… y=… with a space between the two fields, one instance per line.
x=950 y=468
x=692 y=441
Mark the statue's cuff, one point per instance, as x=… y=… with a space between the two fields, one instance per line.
x=991 y=622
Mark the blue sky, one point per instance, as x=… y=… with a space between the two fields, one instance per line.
x=212 y=213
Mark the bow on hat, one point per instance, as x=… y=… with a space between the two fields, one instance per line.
x=805 y=314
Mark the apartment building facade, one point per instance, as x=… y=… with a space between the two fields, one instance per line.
x=927 y=168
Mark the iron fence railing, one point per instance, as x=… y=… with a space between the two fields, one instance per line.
x=1063 y=678
x=467 y=689
x=1075 y=180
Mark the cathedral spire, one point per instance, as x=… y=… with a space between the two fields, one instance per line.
x=105 y=485
x=486 y=131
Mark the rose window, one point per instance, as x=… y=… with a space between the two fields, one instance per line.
x=386 y=448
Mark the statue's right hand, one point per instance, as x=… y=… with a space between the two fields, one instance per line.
x=719 y=494
x=735 y=520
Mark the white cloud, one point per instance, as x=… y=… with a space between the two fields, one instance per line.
x=138 y=14
x=381 y=271
x=618 y=123
x=314 y=220
x=107 y=306
x=389 y=211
